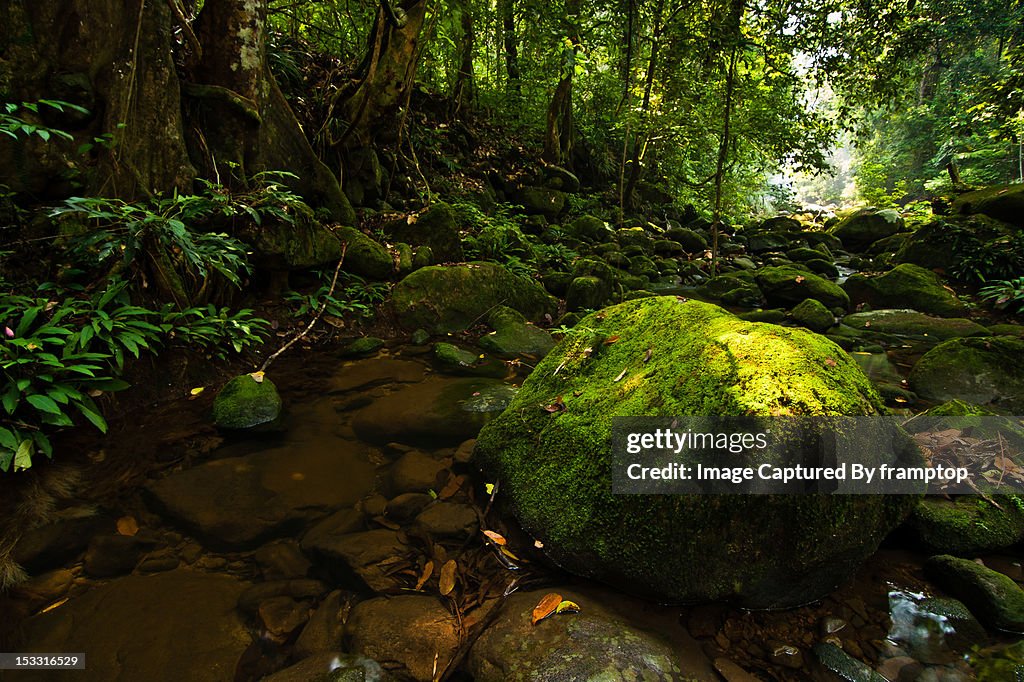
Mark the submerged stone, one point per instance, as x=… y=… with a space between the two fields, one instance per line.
x=555 y=469
x=244 y=403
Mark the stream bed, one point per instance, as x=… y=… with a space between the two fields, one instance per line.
x=347 y=542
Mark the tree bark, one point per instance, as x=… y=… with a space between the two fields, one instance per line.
x=463 y=90
x=508 y=23
x=558 y=137
x=640 y=138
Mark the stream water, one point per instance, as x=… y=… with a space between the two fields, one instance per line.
x=213 y=557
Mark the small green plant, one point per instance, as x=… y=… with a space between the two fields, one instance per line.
x=14 y=124
x=351 y=296
x=1005 y=294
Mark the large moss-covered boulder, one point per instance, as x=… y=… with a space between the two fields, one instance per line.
x=814 y=315
x=303 y=243
x=1002 y=202
x=590 y=228
x=513 y=336
x=993 y=597
x=786 y=285
x=674 y=357
x=984 y=370
x=968 y=526
x=542 y=201
x=905 y=286
x=436 y=228
x=364 y=256
x=444 y=299
x=245 y=402
x=866 y=227
x=914 y=324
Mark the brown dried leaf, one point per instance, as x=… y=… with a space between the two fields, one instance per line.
x=829 y=362
x=496 y=538
x=387 y=523
x=545 y=607
x=648 y=354
x=446 y=583
x=127 y=525
x=619 y=378
x=428 y=571
x=800 y=279
x=611 y=339
x=557 y=406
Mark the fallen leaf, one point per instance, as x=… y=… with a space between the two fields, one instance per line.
x=428 y=571
x=508 y=552
x=257 y=376
x=197 y=390
x=800 y=279
x=647 y=356
x=830 y=362
x=538 y=544
x=496 y=538
x=567 y=607
x=489 y=488
x=545 y=607
x=557 y=406
x=446 y=583
x=619 y=378
x=611 y=339
x=127 y=525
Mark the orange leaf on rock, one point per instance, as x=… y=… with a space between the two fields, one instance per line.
x=567 y=607
x=496 y=538
x=545 y=607
x=428 y=570
x=127 y=525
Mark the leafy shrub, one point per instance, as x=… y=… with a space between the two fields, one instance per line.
x=352 y=295
x=1005 y=294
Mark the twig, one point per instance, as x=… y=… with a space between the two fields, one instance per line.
x=316 y=318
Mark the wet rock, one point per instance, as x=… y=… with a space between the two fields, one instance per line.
x=995 y=598
x=244 y=403
x=112 y=555
x=281 y=560
x=464 y=453
x=591 y=645
x=435 y=412
x=980 y=370
x=416 y=472
x=844 y=665
x=281 y=616
x=814 y=315
x=900 y=668
x=406 y=506
x=323 y=631
x=436 y=229
x=967 y=527
x=905 y=286
x=786 y=655
x=445 y=299
x=329 y=666
x=367 y=345
x=731 y=672
x=933 y=630
x=867 y=226
x=158 y=562
x=406 y=631
x=914 y=324
x=46 y=588
x=1002 y=662
x=555 y=471
x=54 y=544
x=359 y=554
x=461 y=362
x=787 y=285
x=250 y=600
x=114 y=623
x=449 y=519
x=514 y=337
x=705 y=620
x=239 y=502
x=340 y=523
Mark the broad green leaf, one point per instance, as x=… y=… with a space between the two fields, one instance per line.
x=43 y=404
x=23 y=457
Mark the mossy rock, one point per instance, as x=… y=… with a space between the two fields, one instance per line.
x=984 y=370
x=968 y=526
x=993 y=597
x=813 y=314
x=635 y=238
x=642 y=266
x=590 y=228
x=555 y=467
x=787 y=285
x=867 y=226
x=558 y=282
x=501 y=241
x=915 y=324
x=245 y=403
x=308 y=244
x=436 y=228
x=691 y=240
x=905 y=286
x=820 y=266
x=364 y=256
x=461 y=362
x=367 y=345
x=769 y=241
x=514 y=337
x=999 y=664
x=781 y=223
x=593 y=267
x=772 y=315
x=804 y=254
x=445 y=299
x=1007 y=330
x=844 y=666
x=1002 y=202
x=543 y=201
x=587 y=293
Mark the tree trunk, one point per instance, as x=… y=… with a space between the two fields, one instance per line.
x=508 y=22
x=558 y=137
x=640 y=138
x=241 y=123
x=463 y=90
x=387 y=73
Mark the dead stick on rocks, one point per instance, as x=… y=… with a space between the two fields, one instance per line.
x=316 y=318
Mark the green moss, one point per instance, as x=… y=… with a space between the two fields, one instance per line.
x=787 y=285
x=364 y=256
x=555 y=469
x=905 y=286
x=244 y=403
x=867 y=226
x=968 y=526
x=984 y=370
x=1002 y=202
x=436 y=228
x=992 y=596
x=812 y=314
x=367 y=345
x=451 y=298
x=590 y=228
x=998 y=665
x=913 y=323
x=587 y=293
